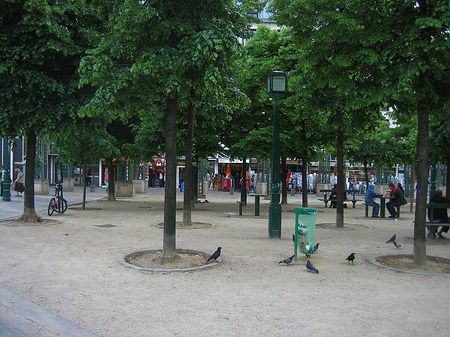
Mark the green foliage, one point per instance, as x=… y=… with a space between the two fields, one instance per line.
x=41 y=44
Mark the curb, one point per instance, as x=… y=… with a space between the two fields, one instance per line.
x=374 y=261
x=29 y=319
x=121 y=260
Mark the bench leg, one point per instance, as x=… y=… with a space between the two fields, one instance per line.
x=257 y=205
x=366 y=211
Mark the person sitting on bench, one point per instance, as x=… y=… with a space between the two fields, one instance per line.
x=439 y=214
x=397 y=201
x=370 y=194
x=333 y=197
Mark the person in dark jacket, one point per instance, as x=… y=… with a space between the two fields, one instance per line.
x=398 y=199
x=440 y=214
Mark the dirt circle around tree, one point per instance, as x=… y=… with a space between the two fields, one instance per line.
x=349 y=227
x=404 y=263
x=149 y=260
x=180 y=225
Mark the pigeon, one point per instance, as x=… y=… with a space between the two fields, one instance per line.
x=392 y=239
x=311 y=267
x=293 y=238
x=316 y=247
x=397 y=245
x=215 y=255
x=351 y=257
x=287 y=260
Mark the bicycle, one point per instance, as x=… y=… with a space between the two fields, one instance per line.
x=57 y=204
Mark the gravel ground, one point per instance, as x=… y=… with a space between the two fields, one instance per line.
x=70 y=268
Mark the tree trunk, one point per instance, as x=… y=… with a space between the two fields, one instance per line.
x=83 y=203
x=169 y=242
x=283 y=180
x=29 y=213
x=420 y=255
x=341 y=180
x=304 y=181
x=188 y=176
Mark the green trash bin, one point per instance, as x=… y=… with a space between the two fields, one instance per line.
x=305 y=226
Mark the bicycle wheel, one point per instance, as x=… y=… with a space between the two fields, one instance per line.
x=51 y=206
x=63 y=207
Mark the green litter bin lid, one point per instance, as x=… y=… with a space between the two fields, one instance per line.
x=305 y=210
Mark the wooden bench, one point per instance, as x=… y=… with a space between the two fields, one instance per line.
x=352 y=192
x=432 y=225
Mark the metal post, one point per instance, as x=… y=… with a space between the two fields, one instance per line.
x=6 y=187
x=275 y=207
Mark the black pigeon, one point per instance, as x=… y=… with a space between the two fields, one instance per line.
x=287 y=260
x=293 y=238
x=392 y=239
x=397 y=245
x=351 y=258
x=311 y=267
x=215 y=255
x=316 y=247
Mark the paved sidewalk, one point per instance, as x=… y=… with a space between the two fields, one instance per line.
x=22 y=318
x=14 y=207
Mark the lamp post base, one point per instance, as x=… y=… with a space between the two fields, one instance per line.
x=275 y=220
x=6 y=191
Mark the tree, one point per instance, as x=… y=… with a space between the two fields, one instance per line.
x=41 y=43
x=400 y=49
x=152 y=57
x=80 y=143
x=333 y=70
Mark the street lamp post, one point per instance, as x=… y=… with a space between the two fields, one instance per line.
x=6 y=187
x=276 y=88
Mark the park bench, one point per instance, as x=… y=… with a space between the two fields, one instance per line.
x=432 y=225
x=353 y=199
x=257 y=203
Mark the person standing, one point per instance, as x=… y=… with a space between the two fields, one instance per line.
x=398 y=199
x=182 y=182
x=1 y=180
x=370 y=194
x=252 y=184
x=18 y=183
